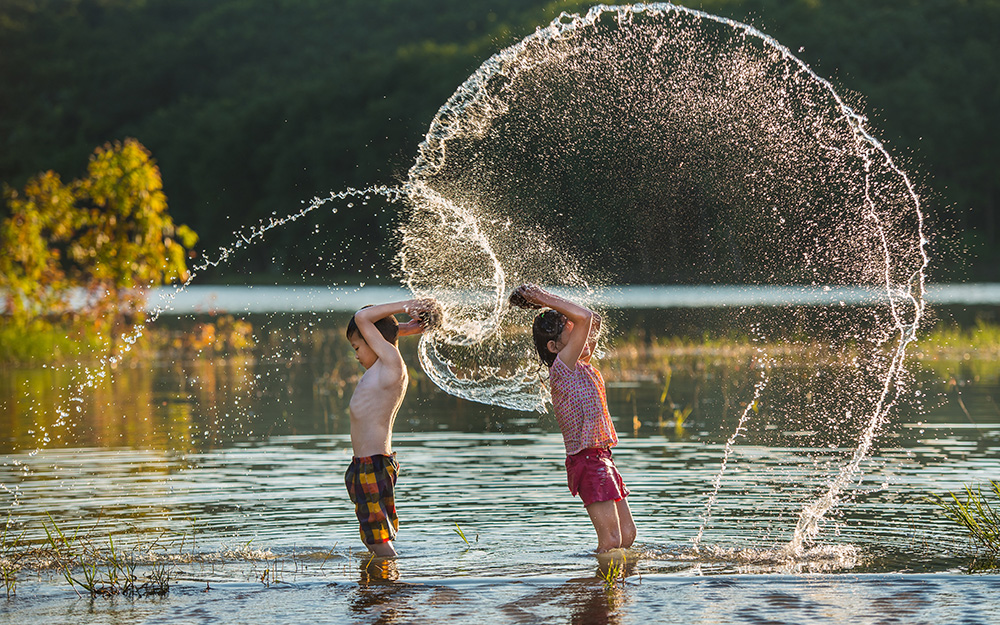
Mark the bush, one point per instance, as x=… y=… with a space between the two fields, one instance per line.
x=79 y=257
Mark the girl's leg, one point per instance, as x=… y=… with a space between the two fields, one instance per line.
x=625 y=523
x=604 y=516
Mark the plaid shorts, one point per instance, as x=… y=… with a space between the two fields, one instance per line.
x=370 y=482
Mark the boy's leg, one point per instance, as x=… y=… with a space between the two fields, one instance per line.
x=371 y=491
x=604 y=516
x=383 y=550
x=625 y=523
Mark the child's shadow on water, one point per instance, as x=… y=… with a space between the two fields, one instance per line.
x=379 y=571
x=381 y=595
x=598 y=600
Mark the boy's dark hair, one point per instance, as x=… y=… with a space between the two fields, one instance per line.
x=548 y=325
x=388 y=327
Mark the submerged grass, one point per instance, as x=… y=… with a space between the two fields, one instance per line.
x=104 y=570
x=976 y=514
x=98 y=561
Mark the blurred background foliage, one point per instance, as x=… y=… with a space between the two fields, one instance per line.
x=252 y=106
x=78 y=256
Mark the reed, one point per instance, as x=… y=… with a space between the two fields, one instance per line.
x=461 y=534
x=612 y=572
x=10 y=554
x=104 y=570
x=976 y=513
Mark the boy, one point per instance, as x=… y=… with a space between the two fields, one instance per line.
x=373 y=332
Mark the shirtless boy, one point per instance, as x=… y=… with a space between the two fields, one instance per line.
x=373 y=332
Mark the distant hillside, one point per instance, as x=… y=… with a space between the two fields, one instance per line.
x=251 y=106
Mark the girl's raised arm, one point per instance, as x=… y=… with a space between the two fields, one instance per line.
x=575 y=346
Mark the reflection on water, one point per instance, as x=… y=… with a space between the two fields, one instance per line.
x=233 y=468
x=753 y=600
x=252 y=451
x=166 y=406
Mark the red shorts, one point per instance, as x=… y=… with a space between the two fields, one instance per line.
x=592 y=474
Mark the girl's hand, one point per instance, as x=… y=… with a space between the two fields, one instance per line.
x=526 y=296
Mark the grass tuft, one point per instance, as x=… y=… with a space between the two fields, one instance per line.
x=103 y=570
x=461 y=534
x=976 y=514
x=613 y=573
x=10 y=552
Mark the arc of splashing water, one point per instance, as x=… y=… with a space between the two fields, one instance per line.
x=491 y=386
x=467 y=227
x=435 y=364
x=445 y=125
x=807 y=527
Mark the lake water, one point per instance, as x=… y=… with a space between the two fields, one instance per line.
x=238 y=299
x=228 y=474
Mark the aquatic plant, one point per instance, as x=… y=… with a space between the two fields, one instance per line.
x=103 y=571
x=9 y=555
x=461 y=534
x=613 y=572
x=976 y=514
x=271 y=574
x=945 y=340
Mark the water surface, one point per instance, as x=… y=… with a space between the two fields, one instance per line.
x=229 y=473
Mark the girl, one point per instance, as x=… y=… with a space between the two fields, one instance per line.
x=565 y=336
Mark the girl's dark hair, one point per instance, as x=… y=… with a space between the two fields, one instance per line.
x=548 y=325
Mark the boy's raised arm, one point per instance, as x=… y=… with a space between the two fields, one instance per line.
x=411 y=327
x=415 y=308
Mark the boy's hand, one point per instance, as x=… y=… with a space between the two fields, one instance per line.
x=526 y=296
x=427 y=313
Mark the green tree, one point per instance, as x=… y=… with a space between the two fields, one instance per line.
x=252 y=106
x=80 y=256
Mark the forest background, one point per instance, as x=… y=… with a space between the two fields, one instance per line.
x=250 y=107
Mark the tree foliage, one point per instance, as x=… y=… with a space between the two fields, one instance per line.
x=252 y=106
x=81 y=255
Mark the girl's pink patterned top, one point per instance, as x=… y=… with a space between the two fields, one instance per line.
x=581 y=406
